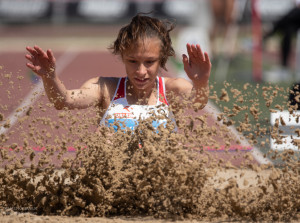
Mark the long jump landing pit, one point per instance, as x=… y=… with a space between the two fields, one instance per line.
x=234 y=154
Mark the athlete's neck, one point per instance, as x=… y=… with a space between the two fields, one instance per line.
x=141 y=96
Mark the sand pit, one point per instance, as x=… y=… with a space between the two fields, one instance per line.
x=10 y=215
x=224 y=179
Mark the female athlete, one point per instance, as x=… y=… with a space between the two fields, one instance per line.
x=144 y=46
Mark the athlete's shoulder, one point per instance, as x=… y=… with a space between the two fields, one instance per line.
x=110 y=83
x=99 y=81
x=109 y=87
x=177 y=84
x=104 y=86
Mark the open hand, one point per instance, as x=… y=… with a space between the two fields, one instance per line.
x=196 y=65
x=42 y=63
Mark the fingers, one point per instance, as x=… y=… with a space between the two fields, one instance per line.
x=29 y=65
x=29 y=57
x=185 y=62
x=185 y=59
x=50 y=56
x=38 y=56
x=199 y=52
x=32 y=67
x=33 y=54
x=207 y=58
x=40 y=51
x=39 y=60
x=37 y=52
x=30 y=50
x=195 y=52
x=191 y=51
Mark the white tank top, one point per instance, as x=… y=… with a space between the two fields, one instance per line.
x=128 y=115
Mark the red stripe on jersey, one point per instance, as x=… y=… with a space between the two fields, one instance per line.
x=162 y=97
x=121 y=89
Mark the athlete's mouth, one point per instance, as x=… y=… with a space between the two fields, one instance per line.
x=141 y=80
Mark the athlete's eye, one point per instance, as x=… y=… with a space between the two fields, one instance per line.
x=150 y=61
x=131 y=61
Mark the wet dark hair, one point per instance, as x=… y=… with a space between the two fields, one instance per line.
x=141 y=27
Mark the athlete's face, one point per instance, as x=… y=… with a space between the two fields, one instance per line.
x=142 y=63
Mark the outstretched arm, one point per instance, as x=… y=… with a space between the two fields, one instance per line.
x=197 y=66
x=44 y=64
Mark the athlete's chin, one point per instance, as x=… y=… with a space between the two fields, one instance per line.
x=141 y=88
x=141 y=84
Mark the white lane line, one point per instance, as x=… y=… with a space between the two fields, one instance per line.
x=62 y=62
x=256 y=153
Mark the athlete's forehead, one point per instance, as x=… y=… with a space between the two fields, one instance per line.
x=148 y=48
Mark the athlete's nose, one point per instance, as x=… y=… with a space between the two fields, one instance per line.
x=142 y=70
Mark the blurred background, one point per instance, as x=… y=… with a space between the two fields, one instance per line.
x=224 y=28
x=221 y=26
x=249 y=41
